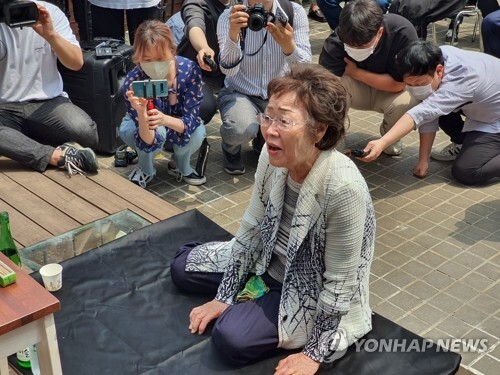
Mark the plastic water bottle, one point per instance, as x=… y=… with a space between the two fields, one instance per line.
x=35 y=368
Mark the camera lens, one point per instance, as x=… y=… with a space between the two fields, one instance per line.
x=256 y=22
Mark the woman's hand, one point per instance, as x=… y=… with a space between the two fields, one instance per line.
x=202 y=315
x=297 y=364
x=139 y=104
x=155 y=118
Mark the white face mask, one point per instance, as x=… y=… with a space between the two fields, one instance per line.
x=156 y=69
x=359 y=54
x=420 y=92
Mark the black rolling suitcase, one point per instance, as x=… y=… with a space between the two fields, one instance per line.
x=97 y=89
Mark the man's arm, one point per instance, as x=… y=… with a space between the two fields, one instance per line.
x=199 y=42
x=70 y=55
x=383 y=82
x=228 y=29
x=298 y=48
x=332 y=55
x=194 y=19
x=401 y=128
x=422 y=168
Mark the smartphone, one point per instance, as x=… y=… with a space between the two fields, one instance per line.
x=154 y=88
x=355 y=152
x=281 y=15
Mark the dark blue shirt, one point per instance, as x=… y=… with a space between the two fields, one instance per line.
x=189 y=96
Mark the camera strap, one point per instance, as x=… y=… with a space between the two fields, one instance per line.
x=243 y=54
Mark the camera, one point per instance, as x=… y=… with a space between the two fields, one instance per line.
x=18 y=13
x=258 y=17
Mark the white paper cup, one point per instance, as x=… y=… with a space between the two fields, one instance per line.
x=52 y=276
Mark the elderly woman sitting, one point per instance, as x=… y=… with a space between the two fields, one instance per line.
x=296 y=274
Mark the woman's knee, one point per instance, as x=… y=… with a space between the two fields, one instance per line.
x=177 y=271
x=178 y=267
x=127 y=131
x=194 y=143
x=229 y=343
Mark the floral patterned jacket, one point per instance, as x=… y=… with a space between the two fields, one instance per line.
x=330 y=249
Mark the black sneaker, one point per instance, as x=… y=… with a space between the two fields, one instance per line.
x=121 y=159
x=233 y=164
x=77 y=159
x=192 y=179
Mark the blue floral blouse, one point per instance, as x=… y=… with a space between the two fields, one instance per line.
x=189 y=96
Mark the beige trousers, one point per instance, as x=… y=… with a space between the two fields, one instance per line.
x=366 y=98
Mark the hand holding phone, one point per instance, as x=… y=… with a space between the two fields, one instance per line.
x=207 y=59
x=281 y=15
x=355 y=152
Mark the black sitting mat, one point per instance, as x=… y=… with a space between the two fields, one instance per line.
x=122 y=315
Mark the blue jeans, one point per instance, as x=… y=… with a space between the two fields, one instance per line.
x=331 y=10
x=239 y=123
x=29 y=131
x=182 y=155
x=490 y=29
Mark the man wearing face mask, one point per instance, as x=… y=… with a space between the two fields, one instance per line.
x=362 y=51
x=448 y=79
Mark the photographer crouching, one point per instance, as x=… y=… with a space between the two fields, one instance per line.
x=39 y=126
x=258 y=41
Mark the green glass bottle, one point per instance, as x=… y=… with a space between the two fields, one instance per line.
x=23 y=358
x=7 y=245
x=9 y=249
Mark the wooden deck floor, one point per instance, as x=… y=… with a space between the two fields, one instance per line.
x=43 y=205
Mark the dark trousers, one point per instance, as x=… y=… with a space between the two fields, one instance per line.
x=30 y=130
x=245 y=332
x=208 y=106
x=479 y=158
x=453 y=125
x=109 y=22
x=81 y=11
x=490 y=29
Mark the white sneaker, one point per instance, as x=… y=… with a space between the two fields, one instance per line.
x=448 y=153
x=140 y=178
x=395 y=149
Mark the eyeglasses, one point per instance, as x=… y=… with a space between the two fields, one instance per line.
x=282 y=123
